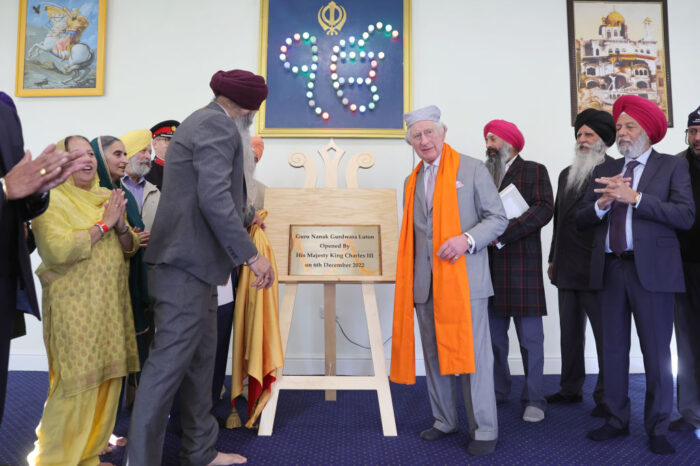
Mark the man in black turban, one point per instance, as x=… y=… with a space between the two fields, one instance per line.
x=198 y=238
x=569 y=259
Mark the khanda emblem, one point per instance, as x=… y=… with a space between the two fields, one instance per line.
x=332 y=18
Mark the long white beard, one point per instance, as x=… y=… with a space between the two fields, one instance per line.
x=496 y=164
x=243 y=124
x=583 y=164
x=636 y=148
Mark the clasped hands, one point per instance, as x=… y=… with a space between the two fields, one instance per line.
x=453 y=248
x=48 y=170
x=616 y=188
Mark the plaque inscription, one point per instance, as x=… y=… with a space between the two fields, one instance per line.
x=335 y=250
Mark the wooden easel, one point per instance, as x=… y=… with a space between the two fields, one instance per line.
x=331 y=205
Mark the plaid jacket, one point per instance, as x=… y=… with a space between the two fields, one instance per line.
x=516 y=269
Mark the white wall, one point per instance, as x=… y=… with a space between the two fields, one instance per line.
x=475 y=60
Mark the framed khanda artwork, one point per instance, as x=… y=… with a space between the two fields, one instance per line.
x=618 y=48
x=61 y=48
x=335 y=68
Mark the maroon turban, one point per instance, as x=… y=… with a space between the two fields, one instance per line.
x=506 y=131
x=243 y=87
x=645 y=112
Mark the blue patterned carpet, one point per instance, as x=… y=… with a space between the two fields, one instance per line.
x=309 y=430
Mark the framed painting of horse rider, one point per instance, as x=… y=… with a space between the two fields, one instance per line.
x=618 y=48
x=61 y=48
x=335 y=68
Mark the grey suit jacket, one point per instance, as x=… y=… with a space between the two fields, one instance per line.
x=198 y=225
x=481 y=214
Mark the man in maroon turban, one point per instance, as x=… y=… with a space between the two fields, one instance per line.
x=198 y=238
x=516 y=266
x=634 y=206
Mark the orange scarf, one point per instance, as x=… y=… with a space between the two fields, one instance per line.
x=453 y=319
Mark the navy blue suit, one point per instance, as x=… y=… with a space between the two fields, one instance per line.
x=642 y=283
x=14 y=254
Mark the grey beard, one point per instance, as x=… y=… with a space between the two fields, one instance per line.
x=139 y=169
x=243 y=125
x=496 y=165
x=583 y=165
x=634 y=149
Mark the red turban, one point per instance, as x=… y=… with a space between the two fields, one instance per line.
x=506 y=131
x=645 y=112
x=243 y=87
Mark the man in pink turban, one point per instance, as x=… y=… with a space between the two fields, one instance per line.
x=516 y=266
x=635 y=205
x=198 y=238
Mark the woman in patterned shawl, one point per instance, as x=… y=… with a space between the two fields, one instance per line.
x=84 y=242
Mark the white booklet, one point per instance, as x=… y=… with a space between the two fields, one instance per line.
x=513 y=202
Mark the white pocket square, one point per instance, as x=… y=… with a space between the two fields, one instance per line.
x=459 y=184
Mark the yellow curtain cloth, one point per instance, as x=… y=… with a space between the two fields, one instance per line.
x=88 y=323
x=257 y=346
x=451 y=304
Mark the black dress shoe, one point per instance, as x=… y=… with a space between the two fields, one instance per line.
x=481 y=447
x=660 y=445
x=434 y=434
x=559 y=398
x=607 y=432
x=599 y=411
x=681 y=425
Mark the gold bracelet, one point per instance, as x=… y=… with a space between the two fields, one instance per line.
x=4 y=189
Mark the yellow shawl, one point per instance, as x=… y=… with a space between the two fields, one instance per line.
x=88 y=323
x=453 y=322
x=257 y=346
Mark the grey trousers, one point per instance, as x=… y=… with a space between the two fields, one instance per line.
x=477 y=388
x=181 y=358
x=687 y=320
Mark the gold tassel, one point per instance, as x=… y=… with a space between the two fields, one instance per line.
x=233 y=421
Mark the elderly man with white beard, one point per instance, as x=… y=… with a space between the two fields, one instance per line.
x=138 y=151
x=634 y=206
x=198 y=238
x=570 y=258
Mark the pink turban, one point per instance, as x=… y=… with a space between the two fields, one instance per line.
x=258 y=147
x=506 y=131
x=243 y=87
x=645 y=112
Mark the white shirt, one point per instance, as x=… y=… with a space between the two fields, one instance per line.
x=638 y=170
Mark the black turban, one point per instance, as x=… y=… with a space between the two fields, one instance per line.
x=243 y=87
x=599 y=121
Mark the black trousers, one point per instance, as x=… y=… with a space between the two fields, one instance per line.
x=574 y=306
x=8 y=311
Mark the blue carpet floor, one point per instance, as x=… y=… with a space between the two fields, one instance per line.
x=309 y=430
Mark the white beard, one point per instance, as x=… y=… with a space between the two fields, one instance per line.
x=583 y=164
x=139 y=169
x=636 y=148
x=243 y=125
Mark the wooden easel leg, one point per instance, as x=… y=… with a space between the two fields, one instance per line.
x=386 y=406
x=329 y=331
x=267 y=417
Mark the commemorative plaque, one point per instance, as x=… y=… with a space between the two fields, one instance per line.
x=342 y=250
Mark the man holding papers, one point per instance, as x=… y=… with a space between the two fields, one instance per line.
x=516 y=266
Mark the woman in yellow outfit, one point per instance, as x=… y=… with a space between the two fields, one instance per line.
x=84 y=242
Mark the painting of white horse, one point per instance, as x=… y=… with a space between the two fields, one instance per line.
x=61 y=47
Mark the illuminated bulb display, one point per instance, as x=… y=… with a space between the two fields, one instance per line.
x=318 y=110
x=336 y=84
x=371 y=105
x=353 y=107
x=380 y=24
x=295 y=69
x=333 y=67
x=388 y=28
x=334 y=76
x=370 y=28
x=342 y=43
x=325 y=116
x=372 y=73
x=312 y=103
x=288 y=41
x=336 y=49
x=375 y=97
x=304 y=69
x=309 y=95
x=283 y=57
x=381 y=55
x=373 y=63
x=361 y=43
x=297 y=36
x=351 y=40
x=351 y=80
x=310 y=85
x=362 y=109
x=394 y=34
x=345 y=101
x=368 y=81
x=352 y=55
x=365 y=35
x=305 y=35
x=283 y=49
x=334 y=58
x=339 y=93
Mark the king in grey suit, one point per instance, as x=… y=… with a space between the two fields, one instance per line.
x=198 y=238
x=482 y=218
